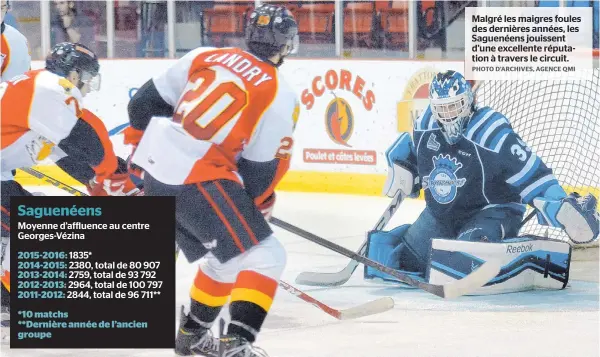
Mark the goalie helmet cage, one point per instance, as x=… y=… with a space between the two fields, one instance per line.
x=560 y=121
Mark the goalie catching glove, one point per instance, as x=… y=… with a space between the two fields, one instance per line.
x=576 y=215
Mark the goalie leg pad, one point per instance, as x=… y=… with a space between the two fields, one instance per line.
x=385 y=248
x=527 y=263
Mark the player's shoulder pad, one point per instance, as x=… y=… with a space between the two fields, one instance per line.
x=57 y=87
x=426 y=121
x=285 y=102
x=15 y=34
x=488 y=129
x=283 y=86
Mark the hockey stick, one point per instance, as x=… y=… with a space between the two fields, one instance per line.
x=473 y=281
x=366 y=309
x=527 y=219
x=369 y=308
x=42 y=176
x=342 y=276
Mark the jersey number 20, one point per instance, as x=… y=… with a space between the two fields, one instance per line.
x=203 y=118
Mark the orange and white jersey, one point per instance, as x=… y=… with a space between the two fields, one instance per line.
x=38 y=110
x=15 y=58
x=228 y=105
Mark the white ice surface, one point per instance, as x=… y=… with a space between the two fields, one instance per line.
x=539 y=323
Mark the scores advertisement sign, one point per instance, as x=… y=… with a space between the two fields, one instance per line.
x=343 y=100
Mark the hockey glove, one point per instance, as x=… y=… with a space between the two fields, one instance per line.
x=132 y=136
x=576 y=215
x=266 y=208
x=402 y=170
x=114 y=185
x=402 y=177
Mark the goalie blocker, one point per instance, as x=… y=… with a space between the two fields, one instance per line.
x=527 y=262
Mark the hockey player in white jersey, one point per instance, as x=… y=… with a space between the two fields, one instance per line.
x=478 y=176
x=216 y=131
x=42 y=118
x=14 y=58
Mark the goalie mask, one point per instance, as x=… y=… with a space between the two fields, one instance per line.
x=451 y=100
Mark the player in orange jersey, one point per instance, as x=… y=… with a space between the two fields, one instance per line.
x=216 y=132
x=42 y=118
x=14 y=60
x=14 y=56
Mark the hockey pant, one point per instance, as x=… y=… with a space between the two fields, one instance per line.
x=240 y=259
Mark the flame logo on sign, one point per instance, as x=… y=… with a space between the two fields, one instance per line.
x=339 y=121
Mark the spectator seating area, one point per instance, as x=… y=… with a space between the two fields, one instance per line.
x=370 y=24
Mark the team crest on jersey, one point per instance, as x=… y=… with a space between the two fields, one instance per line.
x=443 y=181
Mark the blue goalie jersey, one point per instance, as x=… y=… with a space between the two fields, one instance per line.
x=490 y=166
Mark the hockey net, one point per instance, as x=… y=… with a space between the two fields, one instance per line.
x=560 y=120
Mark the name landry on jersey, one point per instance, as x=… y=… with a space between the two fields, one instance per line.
x=238 y=64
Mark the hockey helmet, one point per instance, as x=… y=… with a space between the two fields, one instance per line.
x=272 y=27
x=66 y=57
x=451 y=100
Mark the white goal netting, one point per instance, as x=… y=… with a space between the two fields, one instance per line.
x=560 y=120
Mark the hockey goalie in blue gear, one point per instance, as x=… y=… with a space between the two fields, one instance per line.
x=478 y=177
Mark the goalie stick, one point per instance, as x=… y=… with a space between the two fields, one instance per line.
x=369 y=308
x=469 y=283
x=342 y=276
